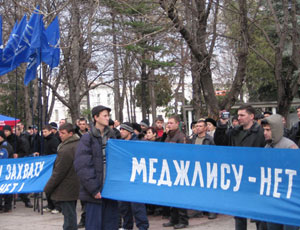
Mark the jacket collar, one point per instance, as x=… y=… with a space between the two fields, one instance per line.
x=172 y=133
x=96 y=132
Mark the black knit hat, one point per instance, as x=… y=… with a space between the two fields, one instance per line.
x=211 y=121
x=53 y=125
x=96 y=110
x=137 y=127
x=127 y=126
x=145 y=123
x=7 y=127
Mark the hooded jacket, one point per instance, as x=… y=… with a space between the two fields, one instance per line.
x=277 y=129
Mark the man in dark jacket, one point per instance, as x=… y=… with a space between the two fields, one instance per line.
x=63 y=184
x=179 y=217
x=18 y=151
x=89 y=164
x=132 y=209
x=294 y=134
x=50 y=141
x=82 y=127
x=49 y=146
x=247 y=134
x=202 y=138
x=54 y=130
x=6 y=151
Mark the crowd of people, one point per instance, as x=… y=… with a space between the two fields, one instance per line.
x=79 y=169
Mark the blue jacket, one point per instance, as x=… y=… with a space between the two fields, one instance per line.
x=89 y=163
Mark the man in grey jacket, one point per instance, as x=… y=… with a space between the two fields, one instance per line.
x=273 y=132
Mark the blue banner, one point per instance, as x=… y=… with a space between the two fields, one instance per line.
x=258 y=183
x=25 y=175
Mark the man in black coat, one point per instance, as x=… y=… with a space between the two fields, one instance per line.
x=248 y=134
x=49 y=146
x=50 y=141
x=18 y=152
x=89 y=163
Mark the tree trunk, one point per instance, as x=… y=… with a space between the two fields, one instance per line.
x=144 y=81
x=196 y=84
x=116 y=71
x=234 y=92
x=196 y=41
x=74 y=77
x=152 y=95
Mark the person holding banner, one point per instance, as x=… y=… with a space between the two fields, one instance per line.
x=19 y=152
x=203 y=138
x=179 y=217
x=247 y=134
x=50 y=147
x=273 y=132
x=6 y=151
x=63 y=184
x=132 y=209
x=89 y=163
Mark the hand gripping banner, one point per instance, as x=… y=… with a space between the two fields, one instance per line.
x=258 y=183
x=25 y=175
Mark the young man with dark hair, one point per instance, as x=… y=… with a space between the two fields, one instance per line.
x=54 y=130
x=83 y=127
x=202 y=138
x=50 y=141
x=63 y=184
x=90 y=164
x=248 y=134
x=159 y=126
x=49 y=147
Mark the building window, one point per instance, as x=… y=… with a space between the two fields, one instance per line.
x=109 y=99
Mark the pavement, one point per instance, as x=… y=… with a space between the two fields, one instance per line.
x=27 y=218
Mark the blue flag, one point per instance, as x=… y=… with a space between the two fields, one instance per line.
x=38 y=46
x=22 y=52
x=10 y=48
x=52 y=57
